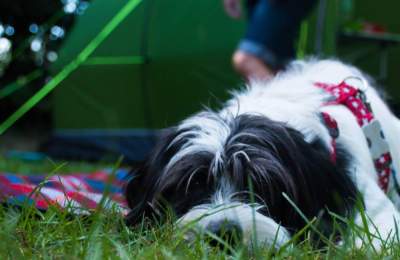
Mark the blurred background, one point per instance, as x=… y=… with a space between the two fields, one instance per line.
x=91 y=80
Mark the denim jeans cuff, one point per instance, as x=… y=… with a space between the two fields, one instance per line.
x=267 y=56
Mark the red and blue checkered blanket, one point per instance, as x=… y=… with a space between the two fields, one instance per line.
x=79 y=193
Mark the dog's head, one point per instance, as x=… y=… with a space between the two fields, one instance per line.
x=240 y=176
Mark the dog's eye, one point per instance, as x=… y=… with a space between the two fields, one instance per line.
x=196 y=183
x=193 y=185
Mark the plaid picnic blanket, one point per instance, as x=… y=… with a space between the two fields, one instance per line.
x=79 y=193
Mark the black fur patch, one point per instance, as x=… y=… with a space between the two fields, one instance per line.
x=274 y=157
x=281 y=161
x=149 y=192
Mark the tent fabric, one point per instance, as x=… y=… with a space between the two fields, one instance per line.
x=104 y=145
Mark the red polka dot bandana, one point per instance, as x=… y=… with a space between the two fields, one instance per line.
x=355 y=100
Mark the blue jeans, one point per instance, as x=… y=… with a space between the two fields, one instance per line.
x=273 y=26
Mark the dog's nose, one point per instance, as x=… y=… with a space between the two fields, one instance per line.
x=227 y=231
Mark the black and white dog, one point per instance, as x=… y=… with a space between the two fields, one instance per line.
x=242 y=169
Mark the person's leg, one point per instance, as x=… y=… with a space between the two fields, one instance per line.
x=250 y=66
x=269 y=41
x=246 y=64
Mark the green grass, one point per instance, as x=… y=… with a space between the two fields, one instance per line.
x=26 y=233
x=29 y=234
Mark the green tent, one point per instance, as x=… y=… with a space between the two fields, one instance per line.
x=160 y=64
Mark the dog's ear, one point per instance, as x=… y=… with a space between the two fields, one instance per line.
x=136 y=196
x=142 y=187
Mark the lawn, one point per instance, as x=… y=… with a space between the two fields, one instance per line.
x=27 y=233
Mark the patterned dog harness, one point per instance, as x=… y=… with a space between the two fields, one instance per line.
x=355 y=100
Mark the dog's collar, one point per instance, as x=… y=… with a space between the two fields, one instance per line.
x=356 y=101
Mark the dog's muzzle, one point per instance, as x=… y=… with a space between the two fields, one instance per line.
x=232 y=224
